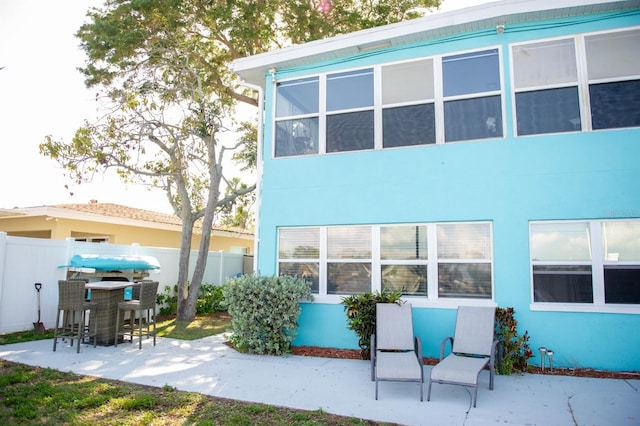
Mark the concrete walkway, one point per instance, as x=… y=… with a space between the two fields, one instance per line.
x=343 y=386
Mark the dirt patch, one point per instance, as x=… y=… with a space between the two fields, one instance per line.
x=577 y=372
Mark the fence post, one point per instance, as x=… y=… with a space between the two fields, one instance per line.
x=221 y=272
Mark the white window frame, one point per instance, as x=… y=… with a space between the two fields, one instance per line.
x=597 y=264
x=377 y=107
x=431 y=300
x=441 y=99
x=97 y=239
x=583 y=81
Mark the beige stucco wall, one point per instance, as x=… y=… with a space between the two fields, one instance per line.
x=59 y=229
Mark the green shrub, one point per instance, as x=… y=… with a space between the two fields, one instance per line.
x=168 y=301
x=210 y=299
x=514 y=349
x=361 y=316
x=265 y=311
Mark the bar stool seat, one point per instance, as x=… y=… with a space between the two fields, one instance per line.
x=142 y=314
x=73 y=308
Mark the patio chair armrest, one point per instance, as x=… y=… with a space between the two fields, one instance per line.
x=442 y=345
x=417 y=346
x=372 y=351
x=494 y=350
x=495 y=353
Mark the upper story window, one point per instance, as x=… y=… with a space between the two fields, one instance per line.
x=550 y=87
x=350 y=117
x=472 y=102
x=613 y=69
x=408 y=104
x=545 y=78
x=297 y=117
x=391 y=105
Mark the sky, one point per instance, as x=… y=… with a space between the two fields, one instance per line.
x=42 y=93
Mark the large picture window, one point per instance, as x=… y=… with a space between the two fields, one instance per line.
x=586 y=262
x=360 y=259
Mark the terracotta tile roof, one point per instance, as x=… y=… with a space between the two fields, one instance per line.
x=125 y=212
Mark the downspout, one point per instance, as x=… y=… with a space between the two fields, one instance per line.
x=256 y=239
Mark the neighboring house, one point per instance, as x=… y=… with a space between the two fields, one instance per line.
x=485 y=156
x=115 y=224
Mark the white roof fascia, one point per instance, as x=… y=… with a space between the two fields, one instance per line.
x=253 y=68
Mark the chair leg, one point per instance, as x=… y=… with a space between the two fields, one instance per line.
x=55 y=331
x=81 y=329
x=429 y=391
x=117 y=333
x=140 y=331
x=154 y=326
x=475 y=395
x=95 y=328
x=376 y=389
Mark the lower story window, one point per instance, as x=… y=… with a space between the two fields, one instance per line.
x=590 y=262
x=429 y=261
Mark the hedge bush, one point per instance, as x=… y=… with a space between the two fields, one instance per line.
x=265 y=311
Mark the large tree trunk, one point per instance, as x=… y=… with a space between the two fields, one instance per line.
x=215 y=177
x=184 y=308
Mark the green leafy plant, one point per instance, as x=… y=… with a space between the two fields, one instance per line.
x=265 y=311
x=514 y=349
x=168 y=301
x=210 y=299
x=361 y=315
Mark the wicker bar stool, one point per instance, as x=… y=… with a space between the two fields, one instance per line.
x=73 y=308
x=142 y=314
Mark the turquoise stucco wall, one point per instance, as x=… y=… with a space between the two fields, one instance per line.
x=510 y=181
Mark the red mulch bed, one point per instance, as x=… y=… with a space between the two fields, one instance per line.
x=577 y=372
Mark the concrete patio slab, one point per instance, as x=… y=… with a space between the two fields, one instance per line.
x=343 y=386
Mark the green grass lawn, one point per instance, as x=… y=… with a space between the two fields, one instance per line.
x=37 y=396
x=42 y=396
x=167 y=326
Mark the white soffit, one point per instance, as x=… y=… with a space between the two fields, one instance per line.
x=254 y=68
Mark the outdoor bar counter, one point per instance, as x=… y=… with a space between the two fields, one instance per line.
x=107 y=294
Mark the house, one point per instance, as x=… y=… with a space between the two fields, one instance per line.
x=115 y=224
x=484 y=156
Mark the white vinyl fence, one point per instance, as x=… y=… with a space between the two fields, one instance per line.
x=26 y=261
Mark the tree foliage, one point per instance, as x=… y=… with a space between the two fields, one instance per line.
x=161 y=69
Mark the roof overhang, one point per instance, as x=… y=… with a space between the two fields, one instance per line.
x=62 y=213
x=11 y=213
x=253 y=69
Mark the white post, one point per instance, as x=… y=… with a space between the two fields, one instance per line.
x=3 y=256
x=221 y=272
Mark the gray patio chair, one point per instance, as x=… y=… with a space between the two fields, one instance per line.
x=72 y=309
x=472 y=349
x=396 y=355
x=142 y=314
